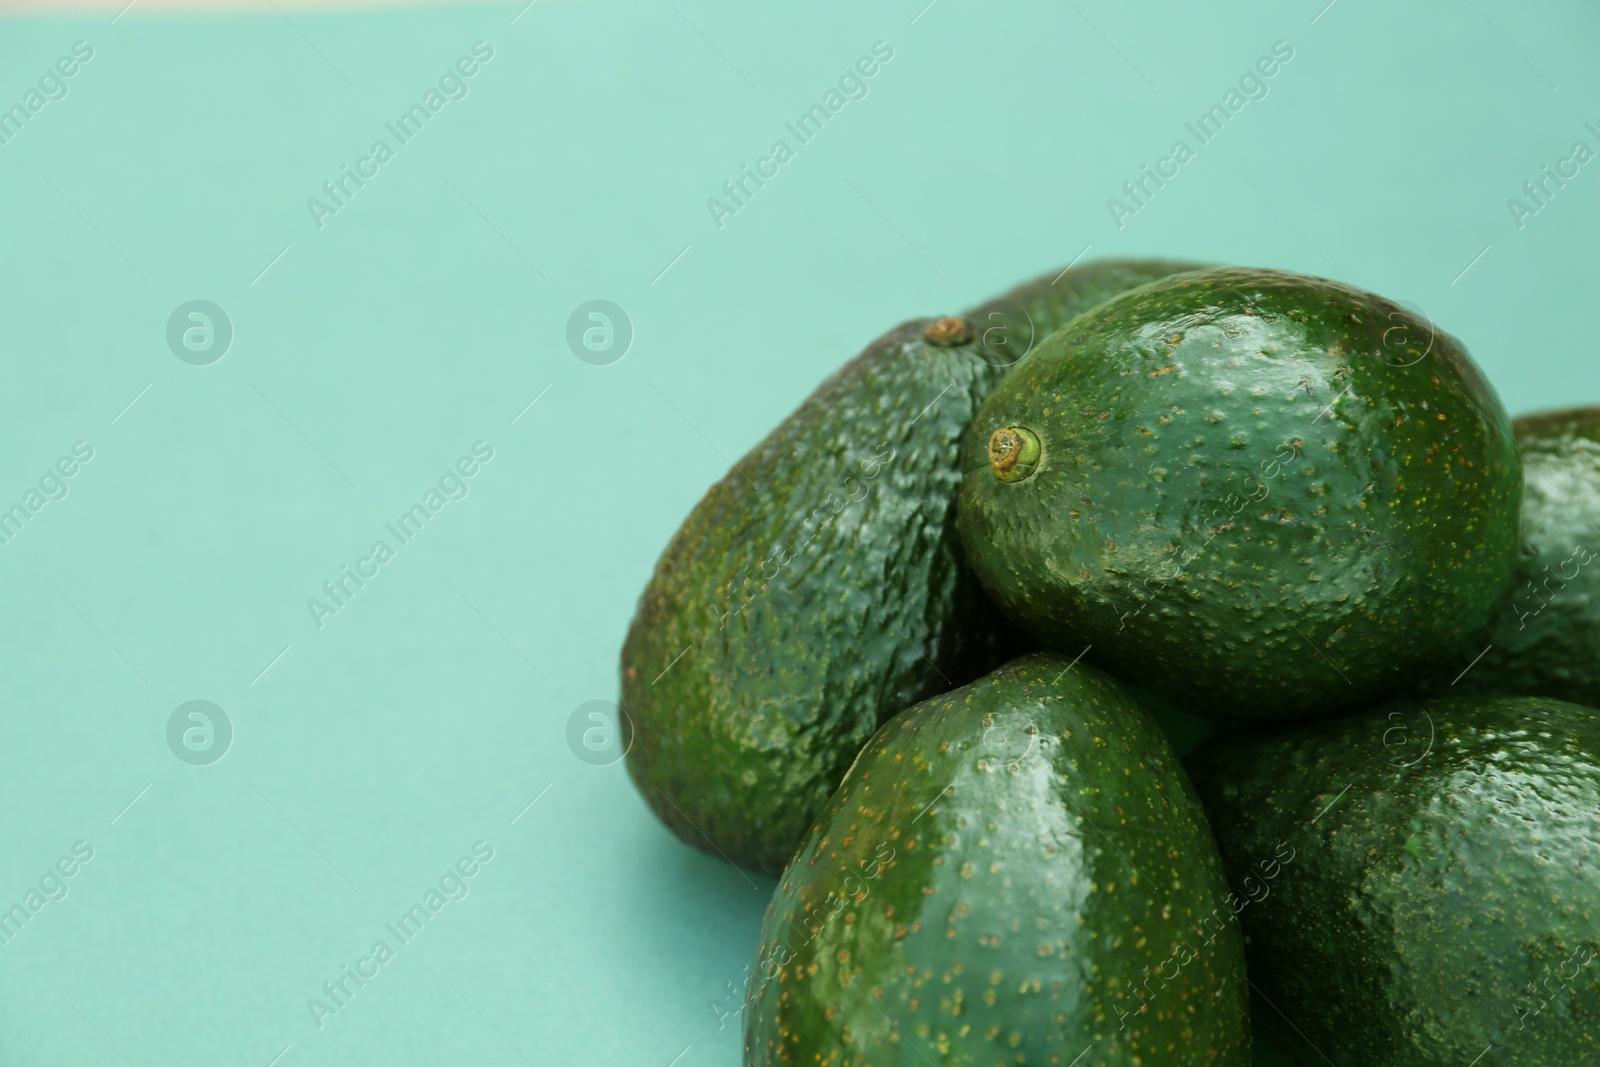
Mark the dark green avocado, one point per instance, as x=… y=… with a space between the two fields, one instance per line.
x=1544 y=639
x=1016 y=872
x=819 y=587
x=1257 y=493
x=1012 y=325
x=1435 y=902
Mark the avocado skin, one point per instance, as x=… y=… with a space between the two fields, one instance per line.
x=1261 y=494
x=804 y=618
x=973 y=894
x=1544 y=638
x=1445 y=855
x=1015 y=323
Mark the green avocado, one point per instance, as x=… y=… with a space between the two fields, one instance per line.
x=1257 y=493
x=1544 y=639
x=819 y=587
x=1012 y=325
x=1434 y=900
x=1016 y=872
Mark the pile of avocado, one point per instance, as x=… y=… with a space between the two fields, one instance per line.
x=939 y=651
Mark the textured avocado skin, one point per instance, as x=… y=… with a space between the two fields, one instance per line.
x=1544 y=638
x=819 y=588
x=1442 y=897
x=1016 y=872
x=1012 y=325
x=1260 y=494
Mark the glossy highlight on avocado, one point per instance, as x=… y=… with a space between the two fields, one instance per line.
x=1260 y=494
x=1544 y=638
x=1441 y=905
x=1015 y=872
x=819 y=588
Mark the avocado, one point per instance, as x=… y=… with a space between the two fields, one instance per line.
x=819 y=588
x=1260 y=494
x=1436 y=902
x=1544 y=638
x=1013 y=324
x=1015 y=872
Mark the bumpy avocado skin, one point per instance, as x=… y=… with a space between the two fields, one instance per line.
x=1260 y=494
x=1544 y=638
x=1440 y=903
x=1012 y=325
x=1016 y=872
x=819 y=587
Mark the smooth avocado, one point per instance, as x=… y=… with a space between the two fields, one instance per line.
x=1544 y=638
x=1259 y=494
x=819 y=588
x=1015 y=872
x=1437 y=902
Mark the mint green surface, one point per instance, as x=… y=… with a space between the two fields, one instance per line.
x=424 y=316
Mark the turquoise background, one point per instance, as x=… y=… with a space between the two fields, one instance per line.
x=370 y=754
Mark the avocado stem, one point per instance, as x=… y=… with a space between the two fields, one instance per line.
x=948 y=332
x=1014 y=453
